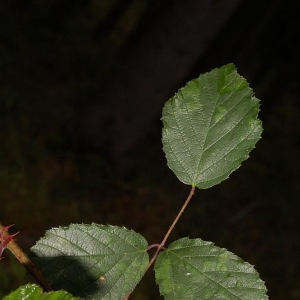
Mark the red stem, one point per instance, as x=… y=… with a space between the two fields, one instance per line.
x=162 y=244
x=25 y=261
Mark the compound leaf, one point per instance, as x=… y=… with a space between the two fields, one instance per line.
x=34 y=292
x=92 y=261
x=210 y=126
x=195 y=269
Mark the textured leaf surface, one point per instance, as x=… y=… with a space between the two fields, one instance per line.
x=195 y=269
x=33 y=292
x=210 y=126
x=92 y=261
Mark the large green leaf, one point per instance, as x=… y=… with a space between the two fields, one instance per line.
x=34 y=292
x=210 y=126
x=92 y=261
x=195 y=269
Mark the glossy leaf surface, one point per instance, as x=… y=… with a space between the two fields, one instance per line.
x=195 y=269
x=210 y=126
x=92 y=261
x=34 y=292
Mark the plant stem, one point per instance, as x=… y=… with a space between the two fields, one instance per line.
x=162 y=244
x=26 y=262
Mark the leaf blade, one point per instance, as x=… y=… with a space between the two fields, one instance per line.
x=195 y=269
x=92 y=261
x=210 y=126
x=34 y=292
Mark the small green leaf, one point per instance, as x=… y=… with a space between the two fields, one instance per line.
x=195 y=269
x=33 y=292
x=92 y=261
x=210 y=126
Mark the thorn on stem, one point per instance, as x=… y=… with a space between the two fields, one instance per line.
x=5 y=238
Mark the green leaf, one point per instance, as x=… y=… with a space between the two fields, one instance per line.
x=210 y=126
x=34 y=292
x=195 y=269
x=92 y=261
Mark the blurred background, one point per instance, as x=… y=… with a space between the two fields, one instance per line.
x=82 y=85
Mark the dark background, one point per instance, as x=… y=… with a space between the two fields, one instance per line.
x=82 y=85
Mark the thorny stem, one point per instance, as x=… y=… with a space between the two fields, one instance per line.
x=26 y=262
x=162 y=244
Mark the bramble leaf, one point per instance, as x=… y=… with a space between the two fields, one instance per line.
x=210 y=126
x=34 y=292
x=195 y=269
x=92 y=261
